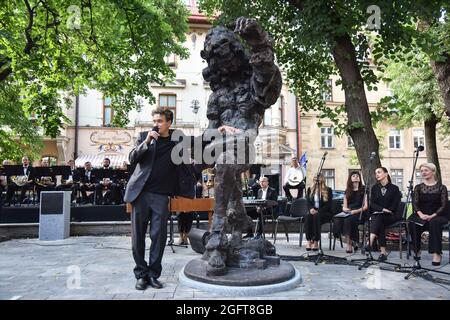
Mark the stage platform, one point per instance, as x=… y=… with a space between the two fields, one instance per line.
x=82 y=213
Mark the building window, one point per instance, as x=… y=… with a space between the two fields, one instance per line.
x=281 y=107
x=418 y=137
x=169 y=101
x=350 y=143
x=329 y=177
x=397 y=178
x=52 y=161
x=326 y=137
x=171 y=60
x=327 y=94
x=268 y=117
x=418 y=177
x=107 y=112
x=395 y=139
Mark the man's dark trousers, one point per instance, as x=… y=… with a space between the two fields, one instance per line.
x=152 y=207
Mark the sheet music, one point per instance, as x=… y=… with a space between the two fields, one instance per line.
x=343 y=215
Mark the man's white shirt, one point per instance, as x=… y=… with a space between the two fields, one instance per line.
x=291 y=171
x=264 y=193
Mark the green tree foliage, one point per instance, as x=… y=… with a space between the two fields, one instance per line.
x=415 y=92
x=416 y=99
x=51 y=47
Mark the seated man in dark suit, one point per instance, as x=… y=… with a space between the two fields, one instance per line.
x=108 y=183
x=24 y=185
x=264 y=193
x=88 y=182
x=70 y=182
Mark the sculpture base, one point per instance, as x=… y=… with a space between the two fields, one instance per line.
x=240 y=282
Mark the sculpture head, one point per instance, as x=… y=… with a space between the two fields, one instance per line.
x=226 y=56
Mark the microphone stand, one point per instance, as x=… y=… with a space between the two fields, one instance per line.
x=416 y=269
x=369 y=257
x=320 y=255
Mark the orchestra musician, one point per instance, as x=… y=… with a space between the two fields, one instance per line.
x=109 y=184
x=294 y=180
x=264 y=193
x=45 y=183
x=88 y=182
x=70 y=182
x=21 y=183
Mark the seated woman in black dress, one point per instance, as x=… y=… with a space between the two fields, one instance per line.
x=319 y=208
x=429 y=202
x=353 y=204
x=384 y=200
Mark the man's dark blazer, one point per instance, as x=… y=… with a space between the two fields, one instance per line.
x=271 y=194
x=84 y=178
x=141 y=160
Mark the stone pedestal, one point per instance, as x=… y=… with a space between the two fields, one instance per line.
x=54 y=215
x=241 y=282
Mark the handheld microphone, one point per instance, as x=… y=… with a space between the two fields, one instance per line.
x=156 y=129
x=420 y=148
x=325 y=154
x=372 y=155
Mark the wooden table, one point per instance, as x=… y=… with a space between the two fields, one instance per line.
x=188 y=205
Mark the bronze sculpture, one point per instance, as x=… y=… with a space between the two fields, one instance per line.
x=244 y=84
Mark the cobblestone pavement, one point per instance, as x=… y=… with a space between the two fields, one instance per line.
x=101 y=268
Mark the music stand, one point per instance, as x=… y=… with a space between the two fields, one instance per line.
x=61 y=171
x=40 y=172
x=13 y=170
x=65 y=172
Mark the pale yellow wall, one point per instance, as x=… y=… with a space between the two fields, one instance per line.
x=338 y=158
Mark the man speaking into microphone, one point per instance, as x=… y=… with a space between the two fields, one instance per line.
x=154 y=179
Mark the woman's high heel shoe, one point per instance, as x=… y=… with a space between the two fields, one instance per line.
x=436 y=263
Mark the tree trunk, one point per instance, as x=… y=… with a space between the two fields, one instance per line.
x=357 y=108
x=430 y=142
x=442 y=73
x=5 y=73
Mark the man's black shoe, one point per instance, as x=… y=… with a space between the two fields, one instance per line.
x=382 y=258
x=141 y=284
x=258 y=236
x=153 y=282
